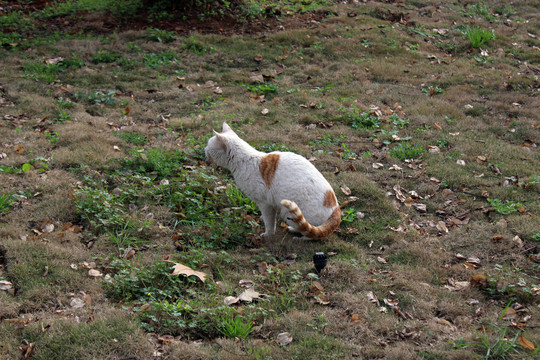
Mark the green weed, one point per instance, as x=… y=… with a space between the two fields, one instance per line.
x=505 y=208
x=406 y=151
x=159 y=35
x=327 y=140
x=346 y=153
x=397 y=121
x=61 y=117
x=359 y=119
x=348 y=216
x=433 y=90
x=96 y=97
x=41 y=72
x=154 y=60
x=235 y=326
x=263 y=89
x=192 y=45
x=105 y=57
x=478 y=37
x=6 y=202
x=106 y=212
x=133 y=138
x=69 y=8
x=161 y=163
x=52 y=136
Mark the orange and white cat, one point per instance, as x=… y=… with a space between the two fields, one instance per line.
x=278 y=182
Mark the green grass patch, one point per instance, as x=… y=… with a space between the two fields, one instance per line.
x=406 y=151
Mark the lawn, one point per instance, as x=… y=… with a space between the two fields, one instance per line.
x=118 y=241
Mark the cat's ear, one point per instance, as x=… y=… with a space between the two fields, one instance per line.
x=221 y=140
x=226 y=127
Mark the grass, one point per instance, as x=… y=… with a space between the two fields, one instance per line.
x=479 y=37
x=102 y=166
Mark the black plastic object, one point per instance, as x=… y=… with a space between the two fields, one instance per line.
x=319 y=260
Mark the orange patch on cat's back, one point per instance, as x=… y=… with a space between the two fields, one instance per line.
x=268 y=167
x=330 y=200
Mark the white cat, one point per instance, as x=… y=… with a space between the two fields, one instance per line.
x=281 y=182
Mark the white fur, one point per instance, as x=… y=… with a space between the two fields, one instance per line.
x=295 y=179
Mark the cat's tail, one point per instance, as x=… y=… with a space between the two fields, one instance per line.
x=308 y=230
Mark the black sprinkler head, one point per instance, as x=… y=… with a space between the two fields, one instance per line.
x=319 y=260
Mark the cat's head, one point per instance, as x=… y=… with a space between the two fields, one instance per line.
x=217 y=149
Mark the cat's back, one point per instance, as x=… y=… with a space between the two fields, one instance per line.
x=292 y=167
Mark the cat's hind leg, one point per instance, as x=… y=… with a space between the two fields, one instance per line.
x=269 y=218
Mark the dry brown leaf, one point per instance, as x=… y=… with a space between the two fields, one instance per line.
x=453 y=285
x=257 y=78
x=527 y=344
x=180 y=269
x=355 y=319
x=284 y=338
x=317 y=294
x=345 y=190
x=509 y=314
x=258 y=58
x=5 y=285
x=382 y=260
x=229 y=300
x=479 y=280
x=377 y=165
x=373 y=298
x=77 y=303
x=245 y=283
x=19 y=149
x=94 y=273
x=420 y=207
x=249 y=295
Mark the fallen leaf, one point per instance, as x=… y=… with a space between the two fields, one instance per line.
x=509 y=314
x=257 y=78
x=461 y=162
x=391 y=302
x=284 y=339
x=19 y=149
x=382 y=260
x=258 y=58
x=5 y=285
x=317 y=294
x=47 y=228
x=345 y=190
x=180 y=269
x=265 y=111
x=77 y=303
x=249 y=295
x=395 y=168
x=482 y=160
x=355 y=319
x=479 y=280
x=245 y=283
x=420 y=207
x=527 y=344
x=229 y=300
x=377 y=165
x=453 y=285
x=94 y=273
x=373 y=298
x=441 y=226
x=53 y=61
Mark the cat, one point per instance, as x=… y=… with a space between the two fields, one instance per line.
x=278 y=182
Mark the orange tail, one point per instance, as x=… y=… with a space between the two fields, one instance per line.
x=308 y=230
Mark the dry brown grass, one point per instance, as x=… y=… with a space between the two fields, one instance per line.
x=362 y=61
